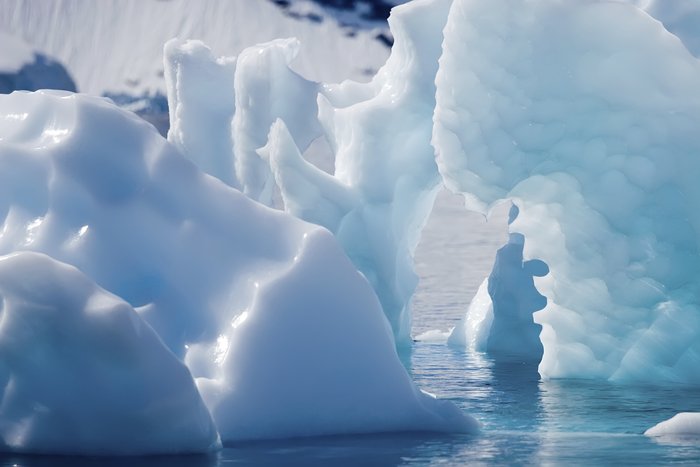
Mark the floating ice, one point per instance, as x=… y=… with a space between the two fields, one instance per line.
x=499 y=319
x=82 y=373
x=282 y=334
x=584 y=114
x=682 y=424
x=385 y=179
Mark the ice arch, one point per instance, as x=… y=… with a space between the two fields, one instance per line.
x=586 y=115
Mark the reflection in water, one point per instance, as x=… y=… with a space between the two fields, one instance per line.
x=525 y=421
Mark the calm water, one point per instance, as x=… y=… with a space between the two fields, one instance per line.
x=525 y=421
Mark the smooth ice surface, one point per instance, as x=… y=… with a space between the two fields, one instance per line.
x=284 y=336
x=115 y=46
x=584 y=114
x=682 y=424
x=81 y=372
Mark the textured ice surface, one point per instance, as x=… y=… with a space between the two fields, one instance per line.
x=585 y=115
x=682 y=424
x=82 y=373
x=284 y=336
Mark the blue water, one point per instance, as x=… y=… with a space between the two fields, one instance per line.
x=525 y=421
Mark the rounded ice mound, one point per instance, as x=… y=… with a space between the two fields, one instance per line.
x=82 y=373
x=682 y=424
x=266 y=310
x=585 y=114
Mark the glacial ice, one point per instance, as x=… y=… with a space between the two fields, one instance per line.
x=97 y=42
x=682 y=424
x=282 y=335
x=375 y=206
x=83 y=373
x=584 y=114
x=499 y=318
x=535 y=105
x=385 y=179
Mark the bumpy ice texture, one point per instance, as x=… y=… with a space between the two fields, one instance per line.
x=266 y=311
x=584 y=114
x=82 y=373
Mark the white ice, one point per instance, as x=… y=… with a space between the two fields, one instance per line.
x=284 y=337
x=682 y=424
x=584 y=114
x=82 y=373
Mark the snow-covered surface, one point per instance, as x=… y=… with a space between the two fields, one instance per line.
x=585 y=115
x=83 y=373
x=682 y=424
x=14 y=53
x=284 y=336
x=115 y=46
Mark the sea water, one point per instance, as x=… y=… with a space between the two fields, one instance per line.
x=525 y=421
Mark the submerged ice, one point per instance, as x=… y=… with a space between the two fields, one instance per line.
x=282 y=335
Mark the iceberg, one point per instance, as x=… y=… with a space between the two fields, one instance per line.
x=83 y=373
x=682 y=424
x=385 y=179
x=499 y=319
x=589 y=128
x=283 y=336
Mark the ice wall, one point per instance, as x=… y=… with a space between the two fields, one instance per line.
x=282 y=334
x=385 y=178
x=585 y=114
